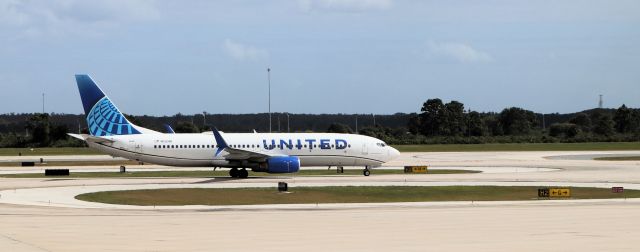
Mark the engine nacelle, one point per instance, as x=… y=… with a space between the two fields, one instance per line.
x=280 y=165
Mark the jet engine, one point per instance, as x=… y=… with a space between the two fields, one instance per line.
x=286 y=164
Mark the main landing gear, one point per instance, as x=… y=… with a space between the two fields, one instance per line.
x=366 y=171
x=238 y=173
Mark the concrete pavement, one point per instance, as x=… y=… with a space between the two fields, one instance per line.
x=28 y=222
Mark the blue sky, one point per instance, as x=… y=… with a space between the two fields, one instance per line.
x=327 y=56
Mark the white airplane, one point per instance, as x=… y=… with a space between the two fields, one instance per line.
x=112 y=133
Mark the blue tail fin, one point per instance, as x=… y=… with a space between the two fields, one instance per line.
x=168 y=129
x=103 y=118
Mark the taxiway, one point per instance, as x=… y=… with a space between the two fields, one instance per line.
x=42 y=215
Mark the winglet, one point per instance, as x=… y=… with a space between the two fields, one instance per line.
x=168 y=128
x=222 y=144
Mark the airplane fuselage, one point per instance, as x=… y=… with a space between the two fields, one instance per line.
x=313 y=149
x=111 y=132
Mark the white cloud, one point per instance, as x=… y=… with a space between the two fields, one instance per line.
x=23 y=18
x=10 y=14
x=345 y=5
x=457 y=51
x=243 y=52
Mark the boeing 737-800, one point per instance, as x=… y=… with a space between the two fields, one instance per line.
x=111 y=133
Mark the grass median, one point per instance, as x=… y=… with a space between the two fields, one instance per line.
x=346 y=194
x=72 y=163
x=49 y=151
x=626 y=158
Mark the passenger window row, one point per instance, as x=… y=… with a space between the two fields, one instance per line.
x=198 y=146
x=186 y=146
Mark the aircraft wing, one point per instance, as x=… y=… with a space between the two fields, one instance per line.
x=90 y=138
x=238 y=154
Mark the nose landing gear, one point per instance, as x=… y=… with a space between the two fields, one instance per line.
x=366 y=172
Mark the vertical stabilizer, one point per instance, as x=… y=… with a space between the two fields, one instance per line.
x=103 y=118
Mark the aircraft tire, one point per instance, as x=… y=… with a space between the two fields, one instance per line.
x=366 y=172
x=243 y=173
x=233 y=172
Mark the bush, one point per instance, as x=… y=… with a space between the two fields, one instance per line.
x=12 y=140
x=339 y=128
x=69 y=142
x=567 y=130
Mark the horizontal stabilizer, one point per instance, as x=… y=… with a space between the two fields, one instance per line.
x=90 y=138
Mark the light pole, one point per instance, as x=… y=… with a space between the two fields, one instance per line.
x=269 y=81
x=204 y=118
x=469 y=115
x=374 y=119
x=42 y=103
x=356 y=123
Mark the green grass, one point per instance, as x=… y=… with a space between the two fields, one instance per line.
x=347 y=194
x=48 y=151
x=627 y=158
x=519 y=147
x=222 y=173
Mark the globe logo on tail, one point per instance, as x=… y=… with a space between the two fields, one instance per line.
x=105 y=120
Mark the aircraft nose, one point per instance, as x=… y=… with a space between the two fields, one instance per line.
x=393 y=153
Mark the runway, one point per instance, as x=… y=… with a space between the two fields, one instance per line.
x=41 y=214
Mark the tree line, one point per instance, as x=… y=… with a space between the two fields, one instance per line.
x=437 y=123
x=42 y=130
x=447 y=123
x=441 y=122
